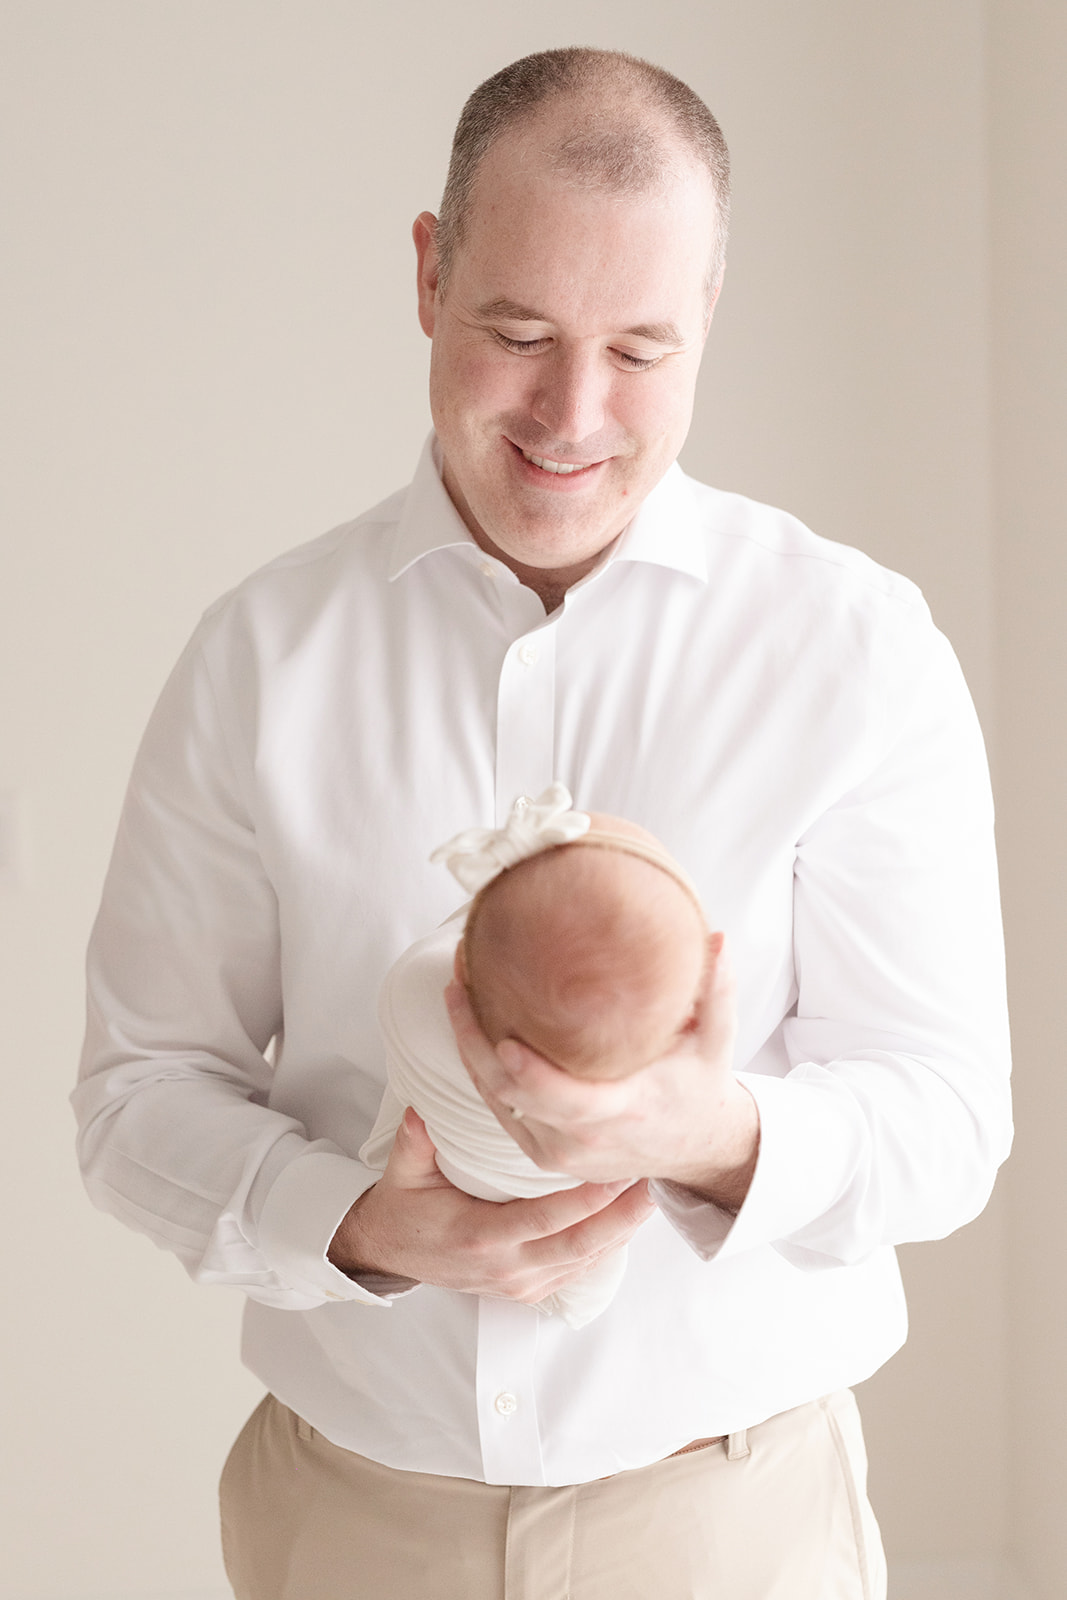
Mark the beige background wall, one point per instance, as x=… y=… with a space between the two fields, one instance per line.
x=211 y=354
x=1028 y=141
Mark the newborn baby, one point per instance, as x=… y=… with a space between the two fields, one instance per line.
x=584 y=940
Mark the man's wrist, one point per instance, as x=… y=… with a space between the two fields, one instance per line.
x=386 y=1285
x=727 y=1191
x=726 y=1182
x=349 y=1250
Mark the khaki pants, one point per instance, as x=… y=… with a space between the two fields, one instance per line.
x=788 y=1520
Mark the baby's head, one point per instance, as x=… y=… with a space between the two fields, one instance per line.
x=590 y=954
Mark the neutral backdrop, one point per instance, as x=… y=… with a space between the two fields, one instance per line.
x=210 y=353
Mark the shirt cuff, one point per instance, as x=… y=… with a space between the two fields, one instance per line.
x=700 y=1222
x=303 y=1210
x=813 y=1140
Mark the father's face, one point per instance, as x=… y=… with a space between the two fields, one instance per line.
x=565 y=352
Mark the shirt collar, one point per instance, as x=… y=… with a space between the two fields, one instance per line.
x=664 y=531
x=428 y=519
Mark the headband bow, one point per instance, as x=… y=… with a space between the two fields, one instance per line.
x=478 y=855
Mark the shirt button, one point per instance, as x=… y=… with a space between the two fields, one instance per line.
x=506 y=1404
x=486 y=570
x=528 y=654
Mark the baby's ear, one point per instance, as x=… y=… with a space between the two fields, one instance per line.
x=459 y=966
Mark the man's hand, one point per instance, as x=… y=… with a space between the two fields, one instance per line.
x=415 y=1224
x=685 y=1118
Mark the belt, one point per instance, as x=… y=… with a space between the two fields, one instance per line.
x=737 y=1445
x=697 y=1444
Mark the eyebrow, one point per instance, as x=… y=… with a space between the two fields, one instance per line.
x=510 y=311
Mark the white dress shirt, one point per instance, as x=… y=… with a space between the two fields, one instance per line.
x=783 y=715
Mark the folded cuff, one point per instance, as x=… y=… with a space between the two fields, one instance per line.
x=303 y=1210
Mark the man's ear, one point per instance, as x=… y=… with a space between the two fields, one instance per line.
x=712 y=298
x=424 y=233
x=459 y=966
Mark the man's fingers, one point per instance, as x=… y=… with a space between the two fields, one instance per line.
x=510 y=1075
x=412 y=1161
x=552 y=1213
x=536 y=1087
x=606 y=1230
x=476 y=1052
x=717 y=1012
x=469 y=1035
x=574 y=1223
x=552 y=1281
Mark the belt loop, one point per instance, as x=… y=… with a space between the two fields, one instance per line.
x=737 y=1446
x=304 y=1430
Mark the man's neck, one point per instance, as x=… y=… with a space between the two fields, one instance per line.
x=550 y=584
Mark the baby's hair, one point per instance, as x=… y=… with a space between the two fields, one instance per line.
x=590 y=952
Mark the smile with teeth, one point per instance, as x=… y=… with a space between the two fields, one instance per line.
x=559 y=467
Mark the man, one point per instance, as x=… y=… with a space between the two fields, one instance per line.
x=552 y=599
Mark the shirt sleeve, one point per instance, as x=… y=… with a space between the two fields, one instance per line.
x=893 y=1113
x=175 y=1135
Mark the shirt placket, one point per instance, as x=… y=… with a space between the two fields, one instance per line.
x=525 y=720
x=508 y=1425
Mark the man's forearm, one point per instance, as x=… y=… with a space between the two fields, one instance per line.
x=350 y=1250
x=725 y=1181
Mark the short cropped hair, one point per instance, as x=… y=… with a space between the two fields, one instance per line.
x=615 y=147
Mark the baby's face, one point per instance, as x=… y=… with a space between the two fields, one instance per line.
x=591 y=956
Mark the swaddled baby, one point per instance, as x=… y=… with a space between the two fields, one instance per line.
x=585 y=941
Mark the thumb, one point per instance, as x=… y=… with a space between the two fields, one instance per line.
x=717 y=1019
x=412 y=1161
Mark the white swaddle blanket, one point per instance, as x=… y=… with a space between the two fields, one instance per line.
x=473 y=1151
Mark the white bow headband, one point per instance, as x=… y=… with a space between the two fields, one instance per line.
x=478 y=855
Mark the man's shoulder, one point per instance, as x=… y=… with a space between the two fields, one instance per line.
x=776 y=547
x=358 y=547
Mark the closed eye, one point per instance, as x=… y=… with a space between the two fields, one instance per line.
x=522 y=347
x=533 y=347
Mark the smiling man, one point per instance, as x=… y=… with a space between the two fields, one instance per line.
x=552 y=599
x=567 y=345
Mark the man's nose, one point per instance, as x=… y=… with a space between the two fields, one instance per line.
x=570 y=398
